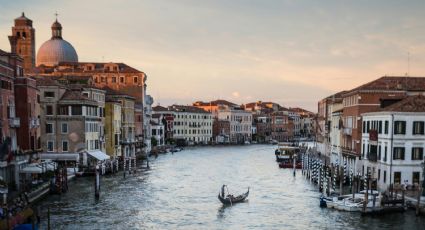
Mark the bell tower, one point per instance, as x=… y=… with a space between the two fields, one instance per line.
x=22 y=41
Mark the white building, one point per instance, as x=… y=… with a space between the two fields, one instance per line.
x=157 y=129
x=240 y=123
x=393 y=143
x=192 y=124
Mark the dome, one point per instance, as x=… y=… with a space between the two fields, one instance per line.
x=54 y=51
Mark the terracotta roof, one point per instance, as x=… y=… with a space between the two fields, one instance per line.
x=74 y=95
x=215 y=103
x=111 y=92
x=393 y=83
x=46 y=81
x=408 y=104
x=186 y=108
x=99 y=67
x=159 y=108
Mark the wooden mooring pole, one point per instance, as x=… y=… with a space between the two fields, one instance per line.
x=97 y=183
x=419 y=201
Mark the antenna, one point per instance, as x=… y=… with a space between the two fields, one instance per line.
x=408 y=63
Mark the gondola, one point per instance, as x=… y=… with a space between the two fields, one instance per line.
x=230 y=199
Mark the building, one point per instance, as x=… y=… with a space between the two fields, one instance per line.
x=369 y=98
x=128 y=132
x=113 y=122
x=393 y=143
x=221 y=131
x=279 y=126
x=263 y=124
x=157 y=130
x=138 y=127
x=212 y=106
x=192 y=125
x=323 y=122
x=57 y=57
x=240 y=123
x=10 y=69
x=71 y=120
x=22 y=41
x=168 y=121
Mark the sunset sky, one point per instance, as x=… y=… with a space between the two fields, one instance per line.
x=290 y=52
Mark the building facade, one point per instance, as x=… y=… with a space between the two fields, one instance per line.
x=240 y=123
x=393 y=143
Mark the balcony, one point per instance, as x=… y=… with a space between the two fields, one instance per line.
x=14 y=122
x=348 y=152
x=348 y=131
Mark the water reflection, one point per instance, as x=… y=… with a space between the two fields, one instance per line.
x=180 y=192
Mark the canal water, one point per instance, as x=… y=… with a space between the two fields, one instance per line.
x=180 y=190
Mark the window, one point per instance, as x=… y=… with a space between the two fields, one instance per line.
x=385 y=153
x=417 y=153
x=49 y=94
x=96 y=144
x=50 y=146
x=117 y=139
x=135 y=79
x=122 y=79
x=397 y=177
x=49 y=110
x=385 y=176
x=380 y=127
x=103 y=79
x=418 y=128
x=64 y=127
x=399 y=127
x=398 y=153
x=114 y=79
x=76 y=110
x=49 y=128
x=379 y=174
x=415 y=177
x=386 y=127
x=64 y=146
x=63 y=110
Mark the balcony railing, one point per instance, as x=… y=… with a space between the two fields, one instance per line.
x=14 y=122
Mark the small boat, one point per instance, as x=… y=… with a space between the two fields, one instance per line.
x=230 y=199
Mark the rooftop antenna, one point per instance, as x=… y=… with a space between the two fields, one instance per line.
x=408 y=63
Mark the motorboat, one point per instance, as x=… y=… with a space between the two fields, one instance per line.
x=354 y=203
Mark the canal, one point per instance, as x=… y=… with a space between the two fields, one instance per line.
x=180 y=190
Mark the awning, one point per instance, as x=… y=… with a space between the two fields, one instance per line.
x=99 y=155
x=50 y=166
x=32 y=168
x=60 y=156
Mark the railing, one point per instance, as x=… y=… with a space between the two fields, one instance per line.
x=14 y=122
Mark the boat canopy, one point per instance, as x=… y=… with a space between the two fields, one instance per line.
x=99 y=155
x=33 y=168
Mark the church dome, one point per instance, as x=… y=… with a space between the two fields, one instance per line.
x=56 y=49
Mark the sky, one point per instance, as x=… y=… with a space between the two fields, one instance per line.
x=292 y=52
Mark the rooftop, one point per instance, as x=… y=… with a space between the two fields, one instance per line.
x=408 y=104
x=392 y=83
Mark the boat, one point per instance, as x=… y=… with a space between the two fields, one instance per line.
x=230 y=199
x=288 y=156
x=353 y=203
